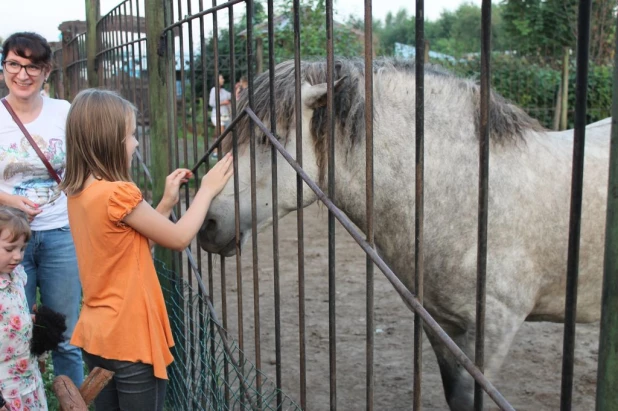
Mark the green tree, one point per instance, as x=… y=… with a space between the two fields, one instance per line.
x=455 y=33
x=397 y=28
x=545 y=27
x=459 y=32
x=346 y=39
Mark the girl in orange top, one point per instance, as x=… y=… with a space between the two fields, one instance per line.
x=123 y=325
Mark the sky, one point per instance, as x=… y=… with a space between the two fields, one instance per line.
x=44 y=16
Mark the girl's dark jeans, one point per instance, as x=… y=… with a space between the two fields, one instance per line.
x=133 y=387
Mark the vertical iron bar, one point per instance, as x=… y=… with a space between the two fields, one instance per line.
x=120 y=32
x=419 y=219
x=118 y=41
x=607 y=378
x=226 y=371
x=302 y=337
x=237 y=222
x=369 y=201
x=215 y=38
x=125 y=51
x=250 y=11
x=330 y=106
x=238 y=239
x=275 y=203
x=99 y=47
x=194 y=360
x=254 y=246
x=581 y=95
x=107 y=55
x=182 y=135
x=481 y=273
x=133 y=82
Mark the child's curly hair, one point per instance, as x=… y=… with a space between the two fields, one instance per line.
x=49 y=327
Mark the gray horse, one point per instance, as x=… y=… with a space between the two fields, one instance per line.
x=529 y=189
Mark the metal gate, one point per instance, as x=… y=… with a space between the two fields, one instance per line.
x=146 y=51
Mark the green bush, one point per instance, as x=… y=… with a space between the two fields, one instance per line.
x=534 y=85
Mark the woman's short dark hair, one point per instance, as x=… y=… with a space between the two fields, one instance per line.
x=30 y=46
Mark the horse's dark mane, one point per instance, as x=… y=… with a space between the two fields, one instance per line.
x=506 y=120
x=349 y=101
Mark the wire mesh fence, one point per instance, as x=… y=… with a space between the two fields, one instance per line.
x=206 y=374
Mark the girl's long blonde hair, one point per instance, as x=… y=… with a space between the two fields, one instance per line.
x=97 y=126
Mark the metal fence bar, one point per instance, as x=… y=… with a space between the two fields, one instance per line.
x=581 y=96
x=254 y=242
x=200 y=322
x=275 y=203
x=123 y=52
x=252 y=144
x=234 y=136
x=330 y=135
x=607 y=379
x=369 y=206
x=302 y=336
x=118 y=50
x=419 y=212
x=483 y=200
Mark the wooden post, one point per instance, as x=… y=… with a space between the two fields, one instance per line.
x=93 y=13
x=160 y=76
x=564 y=106
x=93 y=384
x=607 y=376
x=557 y=109
x=426 y=51
x=72 y=399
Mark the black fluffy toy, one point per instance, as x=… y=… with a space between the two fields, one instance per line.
x=48 y=330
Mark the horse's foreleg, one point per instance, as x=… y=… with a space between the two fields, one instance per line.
x=501 y=325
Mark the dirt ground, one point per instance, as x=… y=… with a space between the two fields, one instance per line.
x=529 y=380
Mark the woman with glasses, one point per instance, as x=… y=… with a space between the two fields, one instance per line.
x=27 y=184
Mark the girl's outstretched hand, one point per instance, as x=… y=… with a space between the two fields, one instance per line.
x=171 y=194
x=218 y=176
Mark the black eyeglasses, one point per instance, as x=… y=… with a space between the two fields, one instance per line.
x=14 y=67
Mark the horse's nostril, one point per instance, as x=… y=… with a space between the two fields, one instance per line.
x=211 y=225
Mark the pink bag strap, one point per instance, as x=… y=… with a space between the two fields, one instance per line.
x=36 y=148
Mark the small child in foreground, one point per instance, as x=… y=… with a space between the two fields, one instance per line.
x=21 y=384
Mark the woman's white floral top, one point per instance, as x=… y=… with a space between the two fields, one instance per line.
x=21 y=384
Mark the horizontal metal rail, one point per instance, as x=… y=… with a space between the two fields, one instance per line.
x=76 y=62
x=129 y=43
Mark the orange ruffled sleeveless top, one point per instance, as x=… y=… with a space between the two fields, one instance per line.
x=123 y=316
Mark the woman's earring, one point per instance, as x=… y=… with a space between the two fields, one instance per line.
x=45 y=81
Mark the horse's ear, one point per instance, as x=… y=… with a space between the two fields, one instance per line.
x=315 y=96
